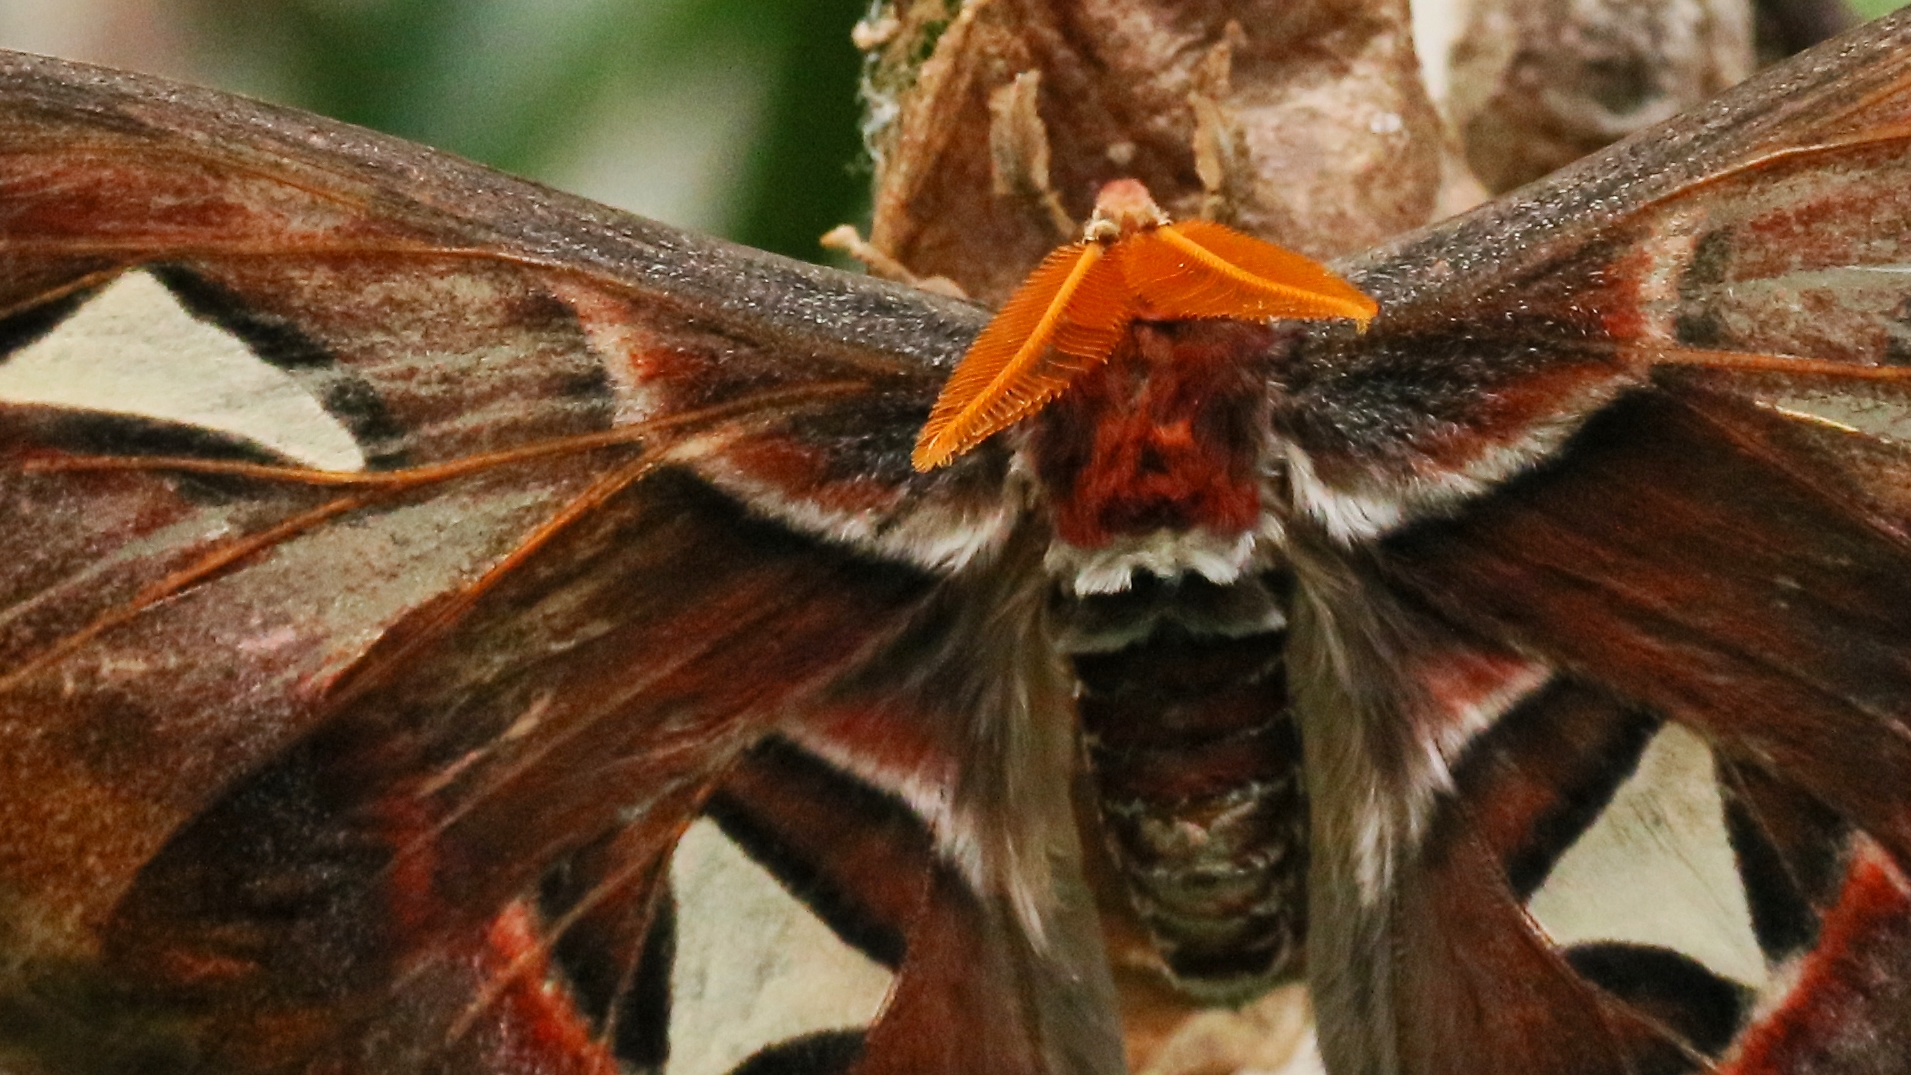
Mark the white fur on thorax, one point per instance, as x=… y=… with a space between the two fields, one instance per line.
x=1219 y=558
x=1390 y=497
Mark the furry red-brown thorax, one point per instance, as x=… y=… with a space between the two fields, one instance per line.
x=1165 y=436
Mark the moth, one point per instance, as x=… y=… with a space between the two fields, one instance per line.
x=368 y=748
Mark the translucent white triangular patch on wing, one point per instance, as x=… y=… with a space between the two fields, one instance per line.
x=1657 y=868
x=134 y=349
x=753 y=966
x=1270 y=1035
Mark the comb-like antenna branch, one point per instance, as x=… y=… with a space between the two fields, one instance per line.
x=1076 y=308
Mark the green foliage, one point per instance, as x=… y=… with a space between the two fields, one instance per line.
x=1871 y=9
x=508 y=82
x=804 y=176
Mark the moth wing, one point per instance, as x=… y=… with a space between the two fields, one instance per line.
x=327 y=732
x=1619 y=460
x=1712 y=582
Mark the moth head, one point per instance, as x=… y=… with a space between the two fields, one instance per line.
x=1123 y=208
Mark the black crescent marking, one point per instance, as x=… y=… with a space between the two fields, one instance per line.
x=344 y=394
x=847 y=917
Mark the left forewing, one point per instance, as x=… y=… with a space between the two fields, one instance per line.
x=391 y=545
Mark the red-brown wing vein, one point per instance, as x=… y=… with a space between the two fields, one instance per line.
x=370 y=672
x=73 y=286
x=379 y=485
x=415 y=477
x=1873 y=137
x=1765 y=362
x=529 y=758
x=523 y=962
x=206 y=569
x=1815 y=482
x=132 y=255
x=762 y=612
x=1669 y=613
x=178 y=154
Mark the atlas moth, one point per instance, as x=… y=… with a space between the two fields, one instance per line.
x=377 y=760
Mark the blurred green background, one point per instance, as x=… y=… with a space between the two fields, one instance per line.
x=515 y=83
x=732 y=116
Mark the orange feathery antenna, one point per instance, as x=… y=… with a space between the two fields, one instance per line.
x=1076 y=307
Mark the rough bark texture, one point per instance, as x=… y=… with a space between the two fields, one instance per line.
x=1305 y=123
x=1537 y=84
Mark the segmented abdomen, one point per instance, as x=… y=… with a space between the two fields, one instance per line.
x=1196 y=762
